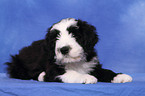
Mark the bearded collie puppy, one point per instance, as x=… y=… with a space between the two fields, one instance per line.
x=66 y=55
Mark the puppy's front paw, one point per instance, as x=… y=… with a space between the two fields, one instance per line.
x=75 y=77
x=88 y=79
x=122 y=78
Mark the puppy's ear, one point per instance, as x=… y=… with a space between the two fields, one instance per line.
x=51 y=36
x=50 y=41
x=88 y=32
x=88 y=37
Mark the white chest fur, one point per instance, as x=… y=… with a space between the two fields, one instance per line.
x=82 y=67
x=78 y=72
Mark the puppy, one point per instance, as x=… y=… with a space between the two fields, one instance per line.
x=66 y=55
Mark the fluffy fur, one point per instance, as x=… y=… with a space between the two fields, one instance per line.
x=66 y=55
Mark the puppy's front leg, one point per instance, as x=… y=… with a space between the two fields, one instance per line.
x=51 y=73
x=105 y=75
x=74 y=77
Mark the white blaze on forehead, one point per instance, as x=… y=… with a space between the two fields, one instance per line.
x=66 y=39
x=64 y=24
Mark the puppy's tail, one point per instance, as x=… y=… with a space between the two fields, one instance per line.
x=16 y=69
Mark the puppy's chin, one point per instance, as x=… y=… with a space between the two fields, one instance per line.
x=67 y=60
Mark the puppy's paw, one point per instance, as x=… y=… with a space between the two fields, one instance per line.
x=75 y=77
x=88 y=79
x=122 y=78
x=41 y=76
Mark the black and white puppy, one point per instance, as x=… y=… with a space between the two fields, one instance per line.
x=66 y=55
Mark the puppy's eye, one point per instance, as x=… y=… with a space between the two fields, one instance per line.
x=76 y=27
x=73 y=35
x=58 y=49
x=73 y=29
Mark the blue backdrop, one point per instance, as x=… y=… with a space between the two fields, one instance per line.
x=120 y=25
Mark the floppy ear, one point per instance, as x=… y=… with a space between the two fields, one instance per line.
x=89 y=33
x=88 y=38
x=50 y=41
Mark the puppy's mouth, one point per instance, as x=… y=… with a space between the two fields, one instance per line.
x=69 y=59
x=78 y=57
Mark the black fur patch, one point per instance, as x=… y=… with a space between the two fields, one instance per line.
x=36 y=58
x=86 y=36
x=103 y=75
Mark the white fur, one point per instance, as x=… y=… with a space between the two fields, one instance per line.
x=41 y=76
x=64 y=23
x=76 y=53
x=74 y=77
x=122 y=78
x=82 y=67
x=78 y=72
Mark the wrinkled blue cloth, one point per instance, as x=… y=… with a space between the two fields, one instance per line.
x=16 y=87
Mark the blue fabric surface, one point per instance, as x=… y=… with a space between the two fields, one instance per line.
x=15 y=87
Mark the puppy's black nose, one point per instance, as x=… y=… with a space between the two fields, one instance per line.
x=64 y=50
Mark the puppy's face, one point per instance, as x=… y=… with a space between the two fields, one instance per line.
x=72 y=43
